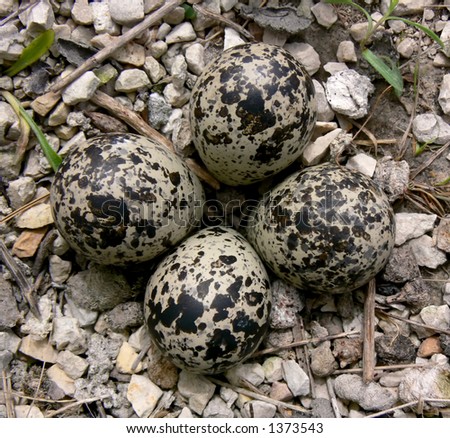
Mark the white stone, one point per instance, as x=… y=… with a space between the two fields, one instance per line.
x=335 y=67
x=10 y=42
x=59 y=378
x=140 y=339
x=273 y=370
x=195 y=58
x=158 y=48
x=81 y=89
x=181 y=33
x=431 y=128
x=306 y=54
x=296 y=379
x=426 y=253
x=82 y=12
x=85 y=317
x=154 y=69
x=7 y=119
x=28 y=411
x=8 y=7
x=131 y=80
x=444 y=94
x=346 y=52
x=358 y=31
x=9 y=341
x=125 y=359
x=259 y=409
x=411 y=225
x=197 y=389
x=176 y=97
x=59 y=115
x=436 y=316
x=362 y=163
x=406 y=47
x=228 y=5
x=127 y=12
x=324 y=111
x=39 y=18
x=59 y=269
x=143 y=395
x=248 y=372
x=20 y=191
x=102 y=20
x=38 y=349
x=131 y=54
x=348 y=93
x=74 y=366
x=67 y=334
x=39 y=328
x=217 y=408
x=163 y=30
x=445 y=38
x=228 y=395
x=178 y=71
x=231 y=38
x=325 y=14
x=407 y=7
x=185 y=413
x=319 y=148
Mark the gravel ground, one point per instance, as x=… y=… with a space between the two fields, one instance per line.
x=73 y=342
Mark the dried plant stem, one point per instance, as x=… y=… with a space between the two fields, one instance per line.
x=138 y=123
x=407 y=405
x=383 y=368
x=333 y=399
x=303 y=351
x=437 y=154
x=41 y=376
x=369 y=333
x=25 y=287
x=256 y=396
x=23 y=208
x=9 y=400
x=73 y=405
x=418 y=324
x=305 y=342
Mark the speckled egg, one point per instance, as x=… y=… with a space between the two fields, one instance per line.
x=207 y=304
x=252 y=112
x=123 y=198
x=324 y=229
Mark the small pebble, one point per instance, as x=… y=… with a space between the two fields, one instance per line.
x=426 y=253
x=412 y=225
x=296 y=379
x=196 y=389
x=143 y=395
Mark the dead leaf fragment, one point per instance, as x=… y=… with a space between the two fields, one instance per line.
x=28 y=242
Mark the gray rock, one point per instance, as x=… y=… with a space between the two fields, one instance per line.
x=61 y=380
x=9 y=341
x=68 y=335
x=321 y=408
x=154 y=69
x=444 y=94
x=393 y=350
x=7 y=119
x=411 y=225
x=74 y=366
x=20 y=191
x=158 y=49
x=436 y=316
x=5 y=359
x=273 y=370
x=407 y=7
x=325 y=14
x=392 y=176
x=126 y=13
x=82 y=12
x=228 y=396
x=39 y=327
x=9 y=166
x=100 y=355
x=426 y=253
x=11 y=42
x=442 y=234
x=324 y=111
x=401 y=266
x=217 y=408
x=143 y=395
x=259 y=409
x=431 y=128
x=296 y=379
x=406 y=47
x=228 y=5
x=178 y=70
x=131 y=80
x=280 y=391
x=9 y=314
x=159 y=111
x=182 y=138
x=82 y=89
x=38 y=18
x=85 y=317
x=59 y=269
x=181 y=33
x=231 y=39
x=317 y=150
x=99 y=288
x=306 y=54
x=248 y=372
x=140 y=339
x=346 y=52
x=185 y=413
x=125 y=316
x=8 y=7
x=102 y=20
x=322 y=360
x=196 y=389
x=287 y=302
x=348 y=93
x=177 y=97
x=362 y=163
x=195 y=58
x=371 y=397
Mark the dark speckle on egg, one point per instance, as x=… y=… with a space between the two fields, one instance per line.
x=252 y=112
x=212 y=317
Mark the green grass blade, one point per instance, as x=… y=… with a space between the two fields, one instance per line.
x=53 y=158
x=33 y=52
x=393 y=4
x=421 y=27
x=392 y=75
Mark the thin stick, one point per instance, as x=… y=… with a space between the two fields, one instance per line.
x=418 y=324
x=369 y=333
x=23 y=208
x=9 y=401
x=106 y=52
x=299 y=335
x=305 y=342
x=437 y=154
x=138 y=123
x=41 y=376
x=333 y=399
x=256 y=396
x=384 y=368
x=395 y=408
x=24 y=285
x=73 y=405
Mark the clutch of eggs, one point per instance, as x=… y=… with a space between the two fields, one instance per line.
x=324 y=229
x=123 y=198
x=207 y=305
x=252 y=112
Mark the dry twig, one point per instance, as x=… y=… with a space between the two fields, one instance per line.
x=369 y=333
x=23 y=208
x=7 y=391
x=437 y=154
x=74 y=405
x=333 y=399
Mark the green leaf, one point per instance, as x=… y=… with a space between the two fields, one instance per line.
x=34 y=51
x=53 y=158
x=421 y=27
x=392 y=5
x=189 y=11
x=391 y=74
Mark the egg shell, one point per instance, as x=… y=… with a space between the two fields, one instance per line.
x=124 y=198
x=207 y=304
x=252 y=112
x=324 y=229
